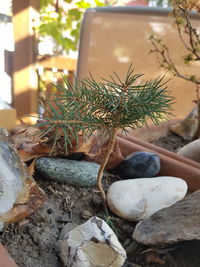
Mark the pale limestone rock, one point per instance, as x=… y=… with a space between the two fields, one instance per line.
x=137 y=199
x=91 y=244
x=191 y=150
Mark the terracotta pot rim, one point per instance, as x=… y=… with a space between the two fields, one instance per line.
x=5 y=258
x=171 y=163
x=158 y=149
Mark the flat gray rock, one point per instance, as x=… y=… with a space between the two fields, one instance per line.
x=180 y=222
x=75 y=173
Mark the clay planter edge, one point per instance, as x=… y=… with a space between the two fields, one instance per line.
x=5 y=259
x=171 y=163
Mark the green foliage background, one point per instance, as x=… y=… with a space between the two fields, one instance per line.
x=56 y=21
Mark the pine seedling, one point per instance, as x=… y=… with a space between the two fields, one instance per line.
x=105 y=107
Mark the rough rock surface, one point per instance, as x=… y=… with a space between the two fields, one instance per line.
x=137 y=199
x=139 y=165
x=180 y=222
x=191 y=150
x=91 y=244
x=76 y=173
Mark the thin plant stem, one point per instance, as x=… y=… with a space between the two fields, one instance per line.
x=104 y=162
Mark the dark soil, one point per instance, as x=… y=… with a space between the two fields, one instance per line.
x=171 y=142
x=32 y=241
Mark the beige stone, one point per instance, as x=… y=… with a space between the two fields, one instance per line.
x=187 y=128
x=191 y=150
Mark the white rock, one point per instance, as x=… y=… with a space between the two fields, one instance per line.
x=137 y=199
x=91 y=244
x=191 y=150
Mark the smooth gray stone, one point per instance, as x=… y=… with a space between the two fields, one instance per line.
x=139 y=165
x=180 y=222
x=75 y=173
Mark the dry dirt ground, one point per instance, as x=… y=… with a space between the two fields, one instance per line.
x=31 y=242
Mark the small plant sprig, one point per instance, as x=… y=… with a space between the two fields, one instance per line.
x=190 y=39
x=188 y=35
x=104 y=107
x=110 y=220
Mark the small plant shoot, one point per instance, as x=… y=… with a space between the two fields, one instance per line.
x=104 y=107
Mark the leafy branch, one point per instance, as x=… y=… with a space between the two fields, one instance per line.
x=62 y=21
x=105 y=107
x=166 y=61
x=189 y=37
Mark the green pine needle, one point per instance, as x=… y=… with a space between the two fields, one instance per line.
x=87 y=105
